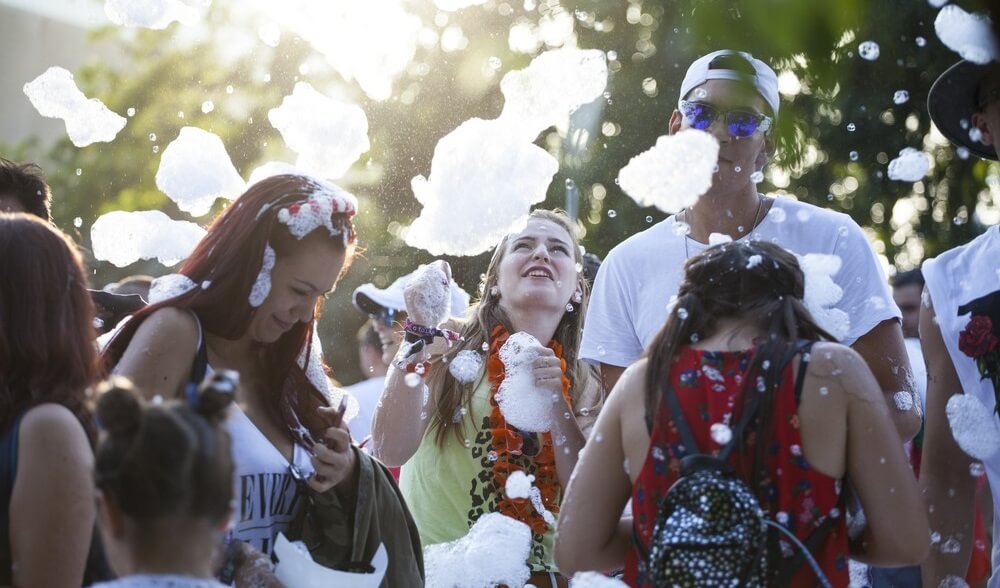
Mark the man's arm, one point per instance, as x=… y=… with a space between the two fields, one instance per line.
x=949 y=489
x=609 y=376
x=885 y=353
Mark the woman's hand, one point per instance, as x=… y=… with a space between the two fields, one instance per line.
x=334 y=459
x=547 y=373
x=428 y=295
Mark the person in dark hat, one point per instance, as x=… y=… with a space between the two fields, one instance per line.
x=959 y=333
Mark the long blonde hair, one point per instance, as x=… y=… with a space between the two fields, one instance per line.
x=449 y=394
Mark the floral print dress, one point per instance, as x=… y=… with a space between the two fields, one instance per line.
x=708 y=385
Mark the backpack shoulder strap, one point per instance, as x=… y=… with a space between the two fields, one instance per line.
x=803 y=348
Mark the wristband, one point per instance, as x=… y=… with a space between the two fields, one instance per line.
x=426 y=333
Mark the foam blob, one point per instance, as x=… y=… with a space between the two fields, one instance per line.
x=453 y=5
x=484 y=179
x=430 y=294
x=594 y=580
x=154 y=14
x=342 y=31
x=169 y=286
x=465 y=366
x=123 y=238
x=911 y=165
x=272 y=168
x=262 y=285
x=554 y=85
x=518 y=485
x=523 y=404
x=328 y=135
x=674 y=173
x=969 y=35
x=974 y=426
x=54 y=95
x=821 y=292
x=495 y=551
x=195 y=169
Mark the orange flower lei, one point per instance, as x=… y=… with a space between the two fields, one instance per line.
x=508 y=443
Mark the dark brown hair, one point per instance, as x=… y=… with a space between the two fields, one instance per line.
x=755 y=281
x=171 y=459
x=26 y=183
x=47 y=351
x=230 y=257
x=449 y=393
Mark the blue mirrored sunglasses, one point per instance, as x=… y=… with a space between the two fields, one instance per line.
x=740 y=123
x=386 y=316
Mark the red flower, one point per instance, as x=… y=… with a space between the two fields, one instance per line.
x=978 y=339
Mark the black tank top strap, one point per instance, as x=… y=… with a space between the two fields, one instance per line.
x=8 y=471
x=199 y=367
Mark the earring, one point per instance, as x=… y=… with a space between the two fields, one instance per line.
x=494 y=291
x=570 y=307
x=578 y=297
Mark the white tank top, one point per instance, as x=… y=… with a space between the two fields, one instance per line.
x=965 y=282
x=265 y=495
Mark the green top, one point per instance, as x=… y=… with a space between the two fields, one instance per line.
x=448 y=488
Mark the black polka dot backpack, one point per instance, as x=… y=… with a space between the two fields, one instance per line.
x=710 y=529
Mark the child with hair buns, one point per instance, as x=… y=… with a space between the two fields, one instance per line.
x=164 y=475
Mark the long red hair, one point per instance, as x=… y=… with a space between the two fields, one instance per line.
x=227 y=261
x=47 y=352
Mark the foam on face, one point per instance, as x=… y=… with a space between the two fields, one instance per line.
x=123 y=238
x=674 y=173
x=308 y=119
x=54 y=95
x=195 y=169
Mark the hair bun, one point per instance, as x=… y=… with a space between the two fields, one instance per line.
x=119 y=408
x=216 y=393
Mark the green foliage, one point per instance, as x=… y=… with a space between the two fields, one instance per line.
x=651 y=44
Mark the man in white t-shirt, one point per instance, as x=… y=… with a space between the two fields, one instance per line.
x=960 y=333
x=735 y=97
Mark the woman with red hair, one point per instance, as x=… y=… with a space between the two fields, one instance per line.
x=47 y=364
x=248 y=298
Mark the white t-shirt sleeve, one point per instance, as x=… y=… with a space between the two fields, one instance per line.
x=867 y=297
x=609 y=334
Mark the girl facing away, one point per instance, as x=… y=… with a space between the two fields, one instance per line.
x=48 y=363
x=820 y=422
x=164 y=477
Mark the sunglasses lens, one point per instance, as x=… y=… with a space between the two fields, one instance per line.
x=384 y=316
x=699 y=116
x=742 y=124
